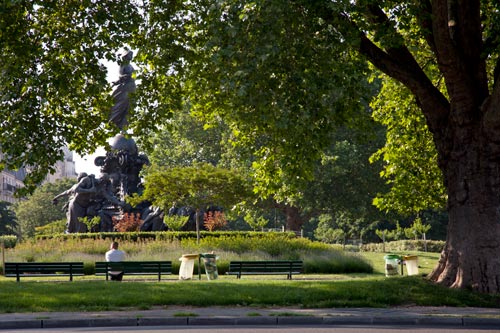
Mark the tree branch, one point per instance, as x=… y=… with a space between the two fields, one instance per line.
x=458 y=39
x=424 y=19
x=398 y=62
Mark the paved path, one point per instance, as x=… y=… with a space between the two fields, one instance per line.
x=191 y=316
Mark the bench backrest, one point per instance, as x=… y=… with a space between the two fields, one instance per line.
x=102 y=267
x=294 y=266
x=19 y=269
x=14 y=268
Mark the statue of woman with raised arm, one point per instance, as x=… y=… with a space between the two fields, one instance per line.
x=125 y=86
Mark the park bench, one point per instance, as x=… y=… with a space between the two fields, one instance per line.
x=134 y=268
x=267 y=267
x=39 y=269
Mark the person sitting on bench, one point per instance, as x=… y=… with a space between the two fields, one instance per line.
x=115 y=255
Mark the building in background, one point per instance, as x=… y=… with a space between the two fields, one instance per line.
x=12 y=180
x=9 y=182
x=64 y=168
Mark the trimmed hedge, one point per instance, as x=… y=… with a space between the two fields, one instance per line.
x=404 y=245
x=165 y=235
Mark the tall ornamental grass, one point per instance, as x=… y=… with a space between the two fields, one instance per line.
x=317 y=257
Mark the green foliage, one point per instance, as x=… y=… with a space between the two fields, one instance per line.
x=8 y=221
x=409 y=154
x=197 y=186
x=327 y=230
x=55 y=92
x=53 y=228
x=37 y=210
x=263 y=68
x=90 y=222
x=175 y=222
x=185 y=141
x=160 y=235
x=417 y=229
x=345 y=181
x=254 y=221
x=337 y=228
x=388 y=235
x=272 y=245
x=8 y=241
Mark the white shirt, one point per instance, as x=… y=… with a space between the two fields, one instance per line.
x=115 y=255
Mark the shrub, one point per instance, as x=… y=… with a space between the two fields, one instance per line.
x=175 y=222
x=9 y=241
x=214 y=220
x=128 y=222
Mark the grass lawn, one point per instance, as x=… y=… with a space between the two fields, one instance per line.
x=426 y=260
x=92 y=293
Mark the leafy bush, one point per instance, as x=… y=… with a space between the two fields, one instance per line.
x=214 y=221
x=128 y=222
x=9 y=241
x=175 y=222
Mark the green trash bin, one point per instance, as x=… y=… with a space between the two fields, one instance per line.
x=392 y=262
x=210 y=263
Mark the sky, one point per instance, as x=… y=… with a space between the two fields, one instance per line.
x=86 y=163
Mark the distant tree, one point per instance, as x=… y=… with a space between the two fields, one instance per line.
x=327 y=230
x=8 y=221
x=199 y=186
x=417 y=229
x=184 y=140
x=37 y=210
x=337 y=228
x=344 y=179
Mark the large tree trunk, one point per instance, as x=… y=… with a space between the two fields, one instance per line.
x=294 y=220
x=471 y=257
x=467 y=143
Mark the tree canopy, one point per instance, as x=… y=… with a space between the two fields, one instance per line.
x=266 y=70
x=199 y=186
